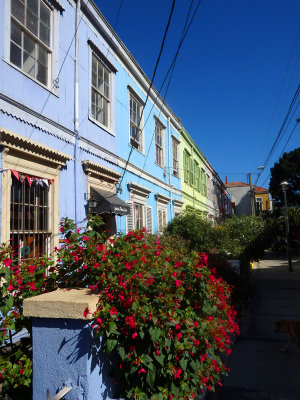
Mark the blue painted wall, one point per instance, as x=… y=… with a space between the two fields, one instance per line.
x=31 y=110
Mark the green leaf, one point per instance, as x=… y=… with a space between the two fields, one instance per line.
x=111 y=344
x=150 y=379
x=122 y=353
x=183 y=363
x=8 y=303
x=160 y=359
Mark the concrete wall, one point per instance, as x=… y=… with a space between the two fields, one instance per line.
x=241 y=197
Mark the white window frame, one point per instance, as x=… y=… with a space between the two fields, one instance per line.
x=175 y=157
x=103 y=96
x=159 y=131
x=138 y=123
x=162 y=211
x=259 y=203
x=53 y=48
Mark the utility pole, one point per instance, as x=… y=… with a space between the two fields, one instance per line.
x=252 y=200
x=284 y=185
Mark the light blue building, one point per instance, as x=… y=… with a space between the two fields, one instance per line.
x=70 y=99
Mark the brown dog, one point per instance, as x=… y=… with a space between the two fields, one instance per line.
x=292 y=329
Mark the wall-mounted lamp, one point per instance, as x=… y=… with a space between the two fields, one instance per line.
x=92 y=204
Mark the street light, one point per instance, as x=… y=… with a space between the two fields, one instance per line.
x=284 y=186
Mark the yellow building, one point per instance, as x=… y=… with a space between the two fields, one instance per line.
x=262 y=199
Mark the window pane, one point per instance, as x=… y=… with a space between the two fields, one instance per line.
x=94 y=71
x=42 y=73
x=32 y=22
x=45 y=34
x=33 y=6
x=45 y=14
x=29 y=65
x=42 y=55
x=106 y=83
x=18 y=10
x=15 y=55
x=29 y=45
x=100 y=78
x=16 y=34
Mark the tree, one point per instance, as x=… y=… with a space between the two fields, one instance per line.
x=286 y=169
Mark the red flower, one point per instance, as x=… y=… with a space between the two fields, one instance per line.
x=113 y=311
x=7 y=262
x=178 y=283
x=142 y=371
x=177 y=373
x=86 y=312
x=177 y=326
x=130 y=321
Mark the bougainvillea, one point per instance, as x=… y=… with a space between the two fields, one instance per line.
x=163 y=311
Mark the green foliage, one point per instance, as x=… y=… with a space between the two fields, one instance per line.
x=194 y=229
x=163 y=310
x=286 y=169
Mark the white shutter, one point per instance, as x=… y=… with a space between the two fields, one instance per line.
x=149 y=227
x=129 y=218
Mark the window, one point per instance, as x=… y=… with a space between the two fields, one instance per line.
x=162 y=219
x=203 y=182
x=259 y=203
x=197 y=177
x=175 y=152
x=136 y=137
x=192 y=172
x=187 y=166
x=138 y=216
x=29 y=205
x=100 y=92
x=29 y=218
x=159 y=144
x=30 y=38
x=162 y=211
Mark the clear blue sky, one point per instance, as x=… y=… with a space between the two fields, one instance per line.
x=236 y=74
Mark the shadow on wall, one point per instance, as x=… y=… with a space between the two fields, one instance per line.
x=243 y=206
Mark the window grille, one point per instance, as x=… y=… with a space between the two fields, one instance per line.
x=29 y=219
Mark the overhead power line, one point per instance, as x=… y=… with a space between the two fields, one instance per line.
x=150 y=87
x=171 y=69
x=281 y=130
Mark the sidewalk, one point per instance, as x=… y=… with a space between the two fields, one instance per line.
x=258 y=369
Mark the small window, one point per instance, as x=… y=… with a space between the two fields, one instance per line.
x=162 y=219
x=197 y=177
x=30 y=38
x=29 y=218
x=100 y=92
x=187 y=167
x=259 y=203
x=138 y=216
x=175 y=152
x=159 y=144
x=136 y=133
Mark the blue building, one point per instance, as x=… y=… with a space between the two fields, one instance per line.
x=71 y=97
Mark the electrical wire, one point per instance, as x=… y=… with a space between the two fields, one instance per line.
x=171 y=69
x=289 y=138
x=148 y=92
x=281 y=130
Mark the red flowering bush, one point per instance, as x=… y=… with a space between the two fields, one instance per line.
x=162 y=310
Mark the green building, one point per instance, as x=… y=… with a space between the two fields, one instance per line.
x=193 y=176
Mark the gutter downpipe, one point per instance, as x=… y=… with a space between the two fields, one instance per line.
x=76 y=107
x=169 y=162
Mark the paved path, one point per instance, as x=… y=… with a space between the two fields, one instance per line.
x=259 y=370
